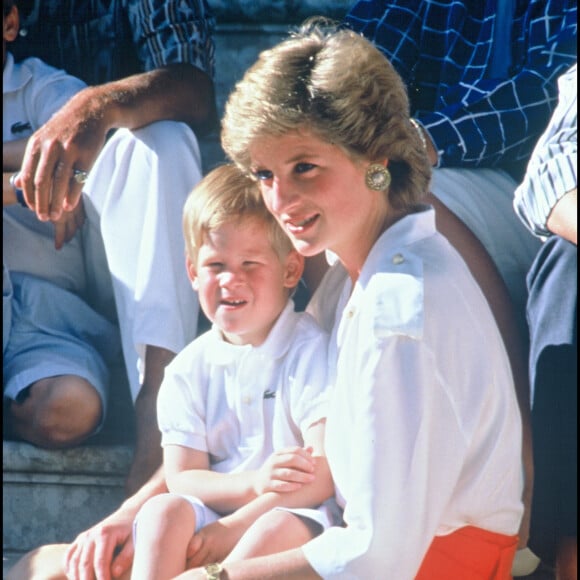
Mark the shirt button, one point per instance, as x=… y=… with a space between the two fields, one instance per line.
x=247 y=400
x=350 y=313
x=398 y=259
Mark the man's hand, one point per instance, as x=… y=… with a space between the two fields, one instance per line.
x=103 y=552
x=70 y=140
x=285 y=471
x=67 y=225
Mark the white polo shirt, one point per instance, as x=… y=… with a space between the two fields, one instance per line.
x=423 y=432
x=240 y=403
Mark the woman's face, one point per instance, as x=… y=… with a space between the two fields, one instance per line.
x=319 y=196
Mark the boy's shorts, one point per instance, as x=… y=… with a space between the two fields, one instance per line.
x=54 y=332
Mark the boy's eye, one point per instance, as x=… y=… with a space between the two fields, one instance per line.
x=303 y=167
x=263 y=174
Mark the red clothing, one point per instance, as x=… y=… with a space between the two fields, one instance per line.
x=469 y=553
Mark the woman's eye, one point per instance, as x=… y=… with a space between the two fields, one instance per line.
x=263 y=174
x=303 y=167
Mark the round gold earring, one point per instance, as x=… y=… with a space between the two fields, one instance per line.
x=377 y=177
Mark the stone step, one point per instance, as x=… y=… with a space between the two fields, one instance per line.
x=51 y=496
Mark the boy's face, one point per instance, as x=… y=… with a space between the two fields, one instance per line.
x=242 y=283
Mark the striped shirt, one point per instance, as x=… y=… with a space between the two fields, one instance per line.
x=443 y=50
x=552 y=170
x=104 y=40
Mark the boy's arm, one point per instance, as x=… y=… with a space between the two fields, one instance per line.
x=187 y=471
x=215 y=541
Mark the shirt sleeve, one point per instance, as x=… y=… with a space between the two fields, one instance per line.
x=402 y=483
x=173 y=31
x=181 y=408
x=552 y=171
x=308 y=376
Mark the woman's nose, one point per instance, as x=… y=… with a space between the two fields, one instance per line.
x=282 y=196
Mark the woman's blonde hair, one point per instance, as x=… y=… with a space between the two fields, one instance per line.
x=336 y=84
x=224 y=195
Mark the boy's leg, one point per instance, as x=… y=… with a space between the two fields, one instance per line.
x=163 y=529
x=44 y=563
x=274 y=532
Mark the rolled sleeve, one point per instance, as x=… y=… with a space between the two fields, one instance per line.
x=552 y=171
x=173 y=31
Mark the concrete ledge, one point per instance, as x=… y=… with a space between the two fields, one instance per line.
x=51 y=496
x=20 y=458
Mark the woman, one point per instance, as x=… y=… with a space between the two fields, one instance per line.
x=424 y=433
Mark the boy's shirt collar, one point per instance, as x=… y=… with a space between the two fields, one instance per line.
x=275 y=346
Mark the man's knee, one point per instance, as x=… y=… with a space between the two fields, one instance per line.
x=58 y=412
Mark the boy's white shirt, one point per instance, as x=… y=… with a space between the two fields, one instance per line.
x=240 y=403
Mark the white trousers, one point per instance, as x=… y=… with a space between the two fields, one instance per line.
x=129 y=260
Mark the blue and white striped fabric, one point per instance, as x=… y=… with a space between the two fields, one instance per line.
x=443 y=50
x=553 y=167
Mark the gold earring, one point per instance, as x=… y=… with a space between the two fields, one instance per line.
x=378 y=177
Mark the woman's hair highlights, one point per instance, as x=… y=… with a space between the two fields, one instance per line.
x=336 y=84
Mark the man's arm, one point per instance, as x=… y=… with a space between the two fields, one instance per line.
x=563 y=219
x=546 y=200
x=74 y=136
x=465 y=128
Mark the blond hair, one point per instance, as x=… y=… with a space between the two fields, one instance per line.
x=224 y=195
x=336 y=84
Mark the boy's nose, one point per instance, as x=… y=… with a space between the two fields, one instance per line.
x=231 y=277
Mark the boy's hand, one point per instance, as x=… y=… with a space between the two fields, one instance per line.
x=213 y=542
x=285 y=471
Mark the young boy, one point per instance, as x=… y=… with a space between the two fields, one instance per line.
x=242 y=408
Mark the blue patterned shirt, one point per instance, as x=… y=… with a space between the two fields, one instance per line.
x=104 y=40
x=443 y=48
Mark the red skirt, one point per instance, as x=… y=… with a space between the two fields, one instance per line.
x=469 y=553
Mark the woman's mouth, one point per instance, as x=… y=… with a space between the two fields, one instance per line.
x=299 y=226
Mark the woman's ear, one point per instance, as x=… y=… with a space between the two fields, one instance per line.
x=11 y=25
x=294 y=269
x=192 y=273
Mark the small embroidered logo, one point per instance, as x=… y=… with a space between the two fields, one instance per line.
x=269 y=394
x=20 y=127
